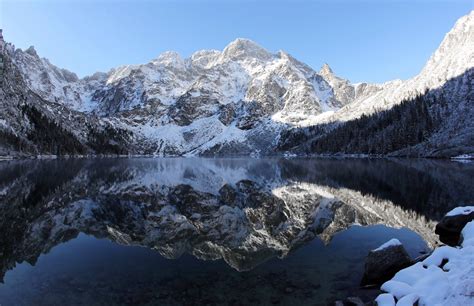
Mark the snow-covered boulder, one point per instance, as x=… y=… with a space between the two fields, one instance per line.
x=450 y=227
x=383 y=262
x=446 y=277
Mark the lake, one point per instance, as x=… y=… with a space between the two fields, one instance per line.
x=175 y=231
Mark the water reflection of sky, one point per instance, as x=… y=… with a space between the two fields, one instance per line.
x=92 y=271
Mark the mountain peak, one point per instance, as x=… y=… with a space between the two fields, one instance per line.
x=170 y=58
x=31 y=51
x=169 y=55
x=454 y=55
x=243 y=43
x=326 y=70
x=242 y=47
x=463 y=26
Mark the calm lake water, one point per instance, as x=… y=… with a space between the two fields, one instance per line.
x=212 y=231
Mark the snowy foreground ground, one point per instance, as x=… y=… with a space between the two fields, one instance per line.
x=446 y=277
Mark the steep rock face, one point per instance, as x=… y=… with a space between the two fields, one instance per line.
x=343 y=89
x=55 y=84
x=243 y=72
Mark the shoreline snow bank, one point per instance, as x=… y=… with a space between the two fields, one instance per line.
x=446 y=277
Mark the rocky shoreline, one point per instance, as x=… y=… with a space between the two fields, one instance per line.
x=443 y=276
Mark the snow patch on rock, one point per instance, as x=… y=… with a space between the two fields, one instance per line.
x=390 y=243
x=462 y=210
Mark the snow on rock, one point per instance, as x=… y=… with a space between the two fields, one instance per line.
x=392 y=242
x=468 y=234
x=382 y=263
x=446 y=277
x=444 y=85
x=385 y=299
x=243 y=71
x=55 y=84
x=462 y=210
x=408 y=300
x=397 y=288
x=449 y=228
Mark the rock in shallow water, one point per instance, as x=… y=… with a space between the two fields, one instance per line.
x=382 y=263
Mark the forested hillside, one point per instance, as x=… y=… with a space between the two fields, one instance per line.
x=402 y=130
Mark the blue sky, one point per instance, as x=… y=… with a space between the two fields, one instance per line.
x=372 y=41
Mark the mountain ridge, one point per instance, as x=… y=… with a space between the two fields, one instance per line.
x=237 y=101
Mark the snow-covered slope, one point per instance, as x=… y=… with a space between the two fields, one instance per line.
x=242 y=72
x=55 y=84
x=236 y=101
x=453 y=57
x=429 y=115
x=240 y=100
x=31 y=125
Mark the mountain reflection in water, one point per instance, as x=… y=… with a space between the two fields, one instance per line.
x=244 y=212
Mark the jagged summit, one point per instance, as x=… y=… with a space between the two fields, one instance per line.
x=242 y=48
x=243 y=43
x=455 y=52
x=326 y=70
x=171 y=59
x=32 y=51
x=205 y=58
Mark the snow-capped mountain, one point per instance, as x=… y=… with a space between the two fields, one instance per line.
x=242 y=72
x=453 y=57
x=444 y=88
x=236 y=101
x=55 y=84
x=212 y=102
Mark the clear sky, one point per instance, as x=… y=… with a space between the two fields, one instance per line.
x=374 y=41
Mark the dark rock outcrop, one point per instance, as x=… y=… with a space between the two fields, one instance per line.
x=450 y=227
x=226 y=114
x=382 y=264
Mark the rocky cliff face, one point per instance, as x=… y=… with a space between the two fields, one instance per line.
x=236 y=101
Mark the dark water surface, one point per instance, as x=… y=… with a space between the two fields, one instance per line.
x=211 y=231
